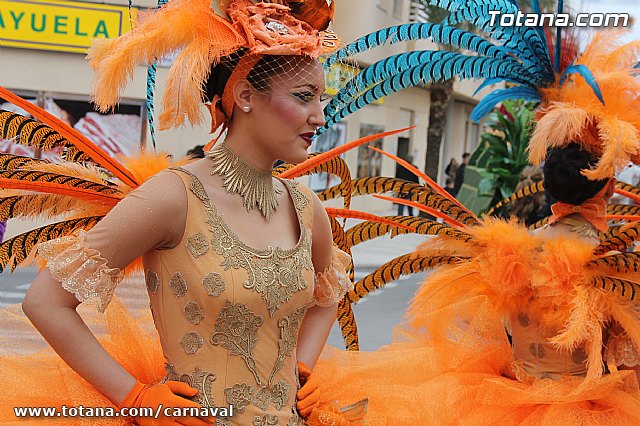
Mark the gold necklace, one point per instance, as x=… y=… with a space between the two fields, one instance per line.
x=255 y=186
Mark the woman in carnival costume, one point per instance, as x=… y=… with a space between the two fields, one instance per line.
x=241 y=272
x=567 y=294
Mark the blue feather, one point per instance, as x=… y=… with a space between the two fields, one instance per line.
x=151 y=89
x=490 y=81
x=421 y=31
x=558 y=39
x=393 y=65
x=588 y=77
x=450 y=64
x=477 y=13
x=489 y=102
x=535 y=6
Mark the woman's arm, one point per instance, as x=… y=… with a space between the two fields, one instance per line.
x=318 y=320
x=144 y=220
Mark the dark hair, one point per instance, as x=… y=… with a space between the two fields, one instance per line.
x=196 y=152
x=466 y=155
x=563 y=178
x=259 y=75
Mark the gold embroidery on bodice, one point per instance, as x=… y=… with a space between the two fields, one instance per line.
x=199 y=380
x=274 y=273
x=217 y=311
x=237 y=330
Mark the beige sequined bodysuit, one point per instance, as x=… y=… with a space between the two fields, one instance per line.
x=228 y=315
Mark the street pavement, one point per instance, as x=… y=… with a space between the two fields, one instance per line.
x=376 y=315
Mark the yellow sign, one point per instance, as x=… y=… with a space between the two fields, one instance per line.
x=337 y=76
x=66 y=26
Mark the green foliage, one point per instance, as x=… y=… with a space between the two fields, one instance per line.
x=502 y=155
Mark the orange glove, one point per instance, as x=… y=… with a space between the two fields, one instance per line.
x=167 y=394
x=309 y=393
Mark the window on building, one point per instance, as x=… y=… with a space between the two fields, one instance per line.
x=120 y=133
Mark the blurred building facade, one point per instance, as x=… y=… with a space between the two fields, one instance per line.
x=42 y=47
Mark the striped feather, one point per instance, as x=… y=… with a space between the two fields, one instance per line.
x=354 y=214
x=487 y=104
x=630 y=191
x=46 y=206
x=29 y=180
x=621 y=288
x=339 y=238
x=428 y=181
x=407 y=264
x=97 y=154
x=418 y=31
x=622 y=209
x=539 y=224
x=369 y=230
x=612 y=232
x=452 y=64
x=527 y=191
x=312 y=163
x=14 y=162
x=335 y=166
x=374 y=185
x=38 y=176
x=30 y=132
x=620 y=242
x=14 y=251
x=418 y=193
x=348 y=326
x=424 y=208
x=624 y=262
x=151 y=89
x=526 y=41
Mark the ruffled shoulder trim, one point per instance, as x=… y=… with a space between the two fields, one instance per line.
x=333 y=283
x=81 y=270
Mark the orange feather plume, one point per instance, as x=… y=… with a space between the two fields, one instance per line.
x=572 y=112
x=60 y=189
x=630 y=195
x=627 y=217
x=422 y=207
x=354 y=214
x=181 y=24
x=309 y=164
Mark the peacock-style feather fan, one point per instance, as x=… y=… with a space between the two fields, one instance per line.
x=518 y=55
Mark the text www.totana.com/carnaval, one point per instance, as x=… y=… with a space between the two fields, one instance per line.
x=157 y=412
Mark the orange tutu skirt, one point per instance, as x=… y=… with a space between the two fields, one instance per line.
x=35 y=376
x=466 y=378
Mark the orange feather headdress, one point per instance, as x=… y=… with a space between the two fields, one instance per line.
x=609 y=126
x=203 y=38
